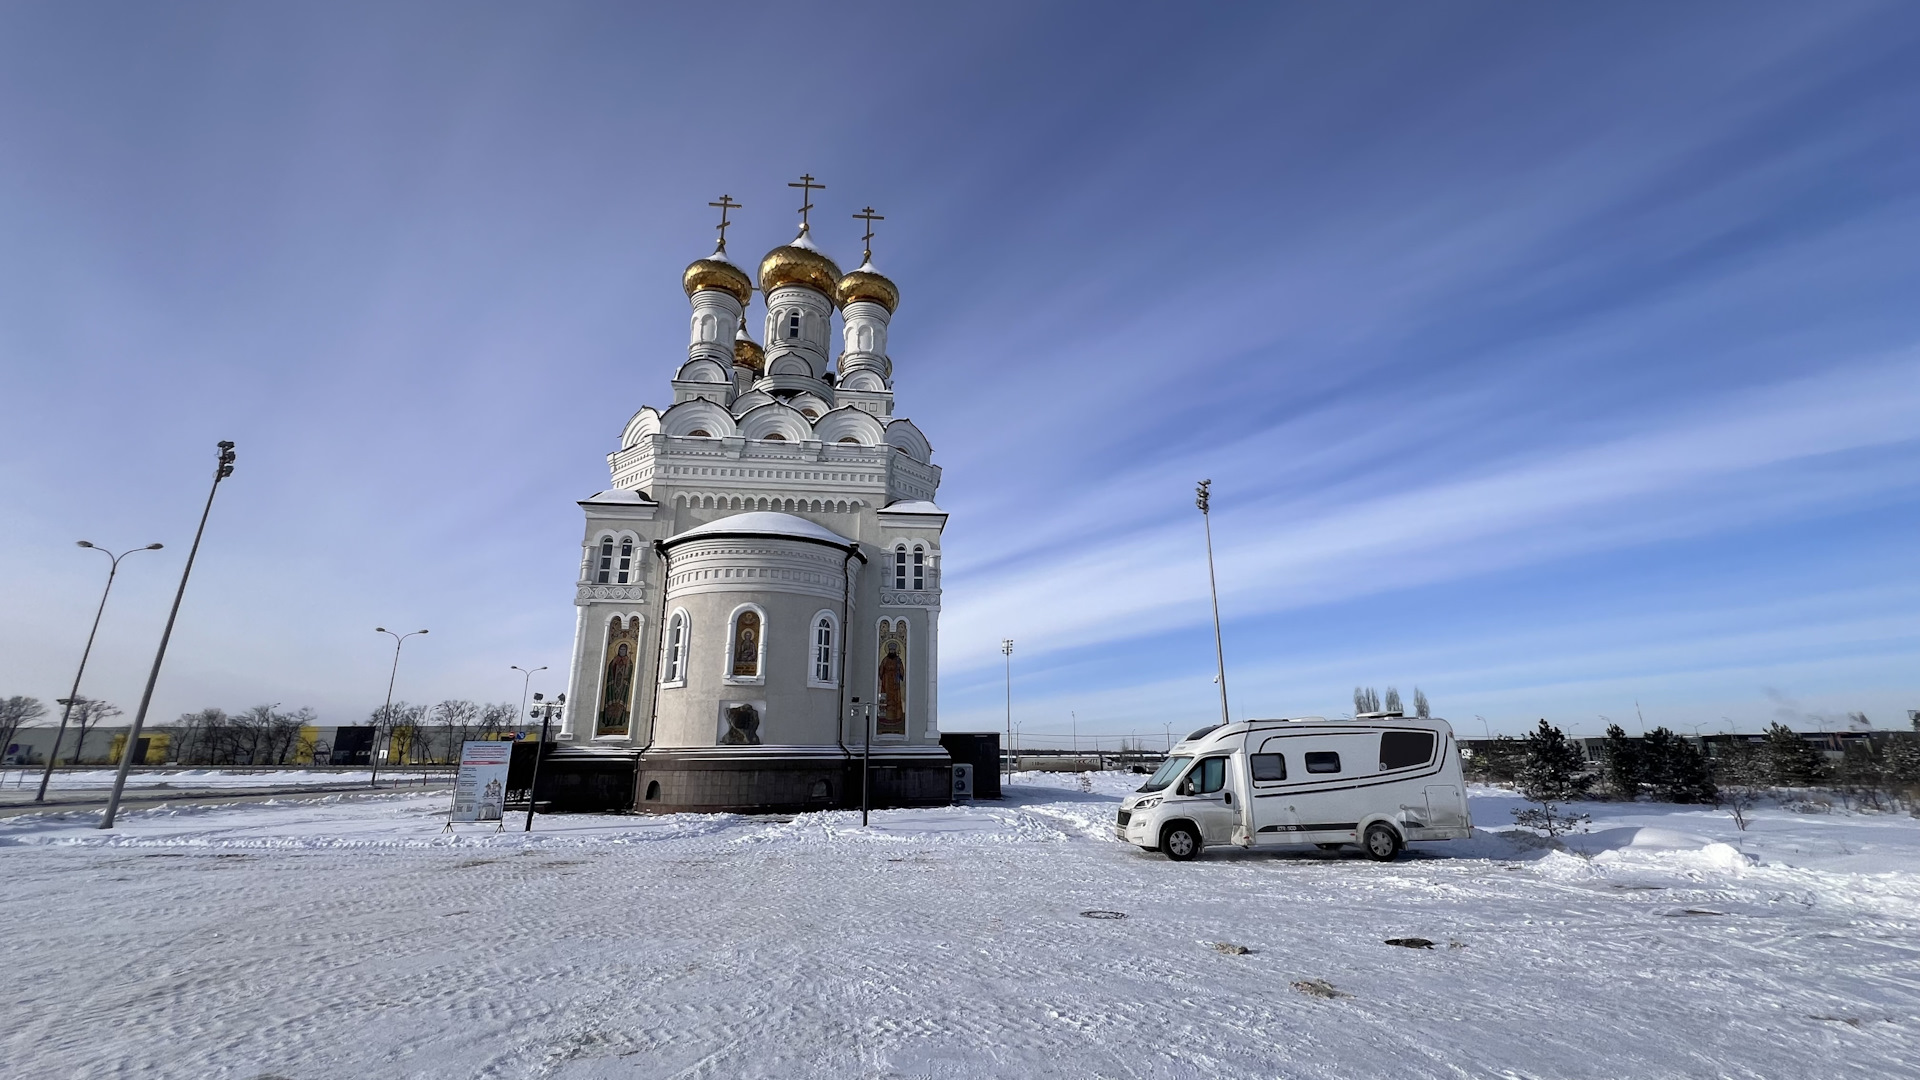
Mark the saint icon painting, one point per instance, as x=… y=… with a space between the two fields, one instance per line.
x=890 y=714
x=616 y=689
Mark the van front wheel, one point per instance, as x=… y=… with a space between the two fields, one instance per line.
x=1180 y=842
x=1382 y=843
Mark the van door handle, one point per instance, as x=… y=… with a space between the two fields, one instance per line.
x=1227 y=797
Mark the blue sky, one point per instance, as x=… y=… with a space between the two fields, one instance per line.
x=1560 y=361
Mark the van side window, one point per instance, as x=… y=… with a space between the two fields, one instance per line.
x=1207 y=777
x=1405 y=749
x=1322 y=761
x=1269 y=767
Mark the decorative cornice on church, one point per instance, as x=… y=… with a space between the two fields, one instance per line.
x=589 y=593
x=929 y=598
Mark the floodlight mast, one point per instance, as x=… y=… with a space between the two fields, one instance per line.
x=222 y=469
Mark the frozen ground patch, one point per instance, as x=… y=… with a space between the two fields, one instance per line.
x=350 y=936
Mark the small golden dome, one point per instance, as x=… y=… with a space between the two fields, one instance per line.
x=798 y=263
x=747 y=352
x=716 y=271
x=867 y=283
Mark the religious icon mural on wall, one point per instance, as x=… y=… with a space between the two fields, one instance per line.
x=890 y=713
x=616 y=688
x=746 y=646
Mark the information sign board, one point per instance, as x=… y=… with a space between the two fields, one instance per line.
x=480 y=788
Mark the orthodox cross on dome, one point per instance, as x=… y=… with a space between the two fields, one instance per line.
x=725 y=204
x=867 y=215
x=807 y=188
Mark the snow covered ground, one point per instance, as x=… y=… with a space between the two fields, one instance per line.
x=86 y=779
x=352 y=937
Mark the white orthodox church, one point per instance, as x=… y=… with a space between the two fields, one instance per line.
x=768 y=556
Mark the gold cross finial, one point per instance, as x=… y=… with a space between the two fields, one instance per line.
x=807 y=188
x=867 y=215
x=725 y=204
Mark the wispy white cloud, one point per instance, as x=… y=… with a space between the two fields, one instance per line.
x=1675 y=480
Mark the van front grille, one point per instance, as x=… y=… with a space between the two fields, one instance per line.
x=1124 y=818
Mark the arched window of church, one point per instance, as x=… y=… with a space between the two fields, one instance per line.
x=624 y=573
x=919 y=567
x=707 y=328
x=900 y=566
x=604 y=573
x=793 y=325
x=863 y=339
x=823 y=646
x=674 y=665
x=701 y=433
x=774 y=436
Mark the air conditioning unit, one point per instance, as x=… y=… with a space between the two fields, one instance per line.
x=962 y=783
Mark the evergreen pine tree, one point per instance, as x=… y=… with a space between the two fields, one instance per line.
x=1795 y=762
x=1554 y=769
x=1686 y=778
x=1622 y=758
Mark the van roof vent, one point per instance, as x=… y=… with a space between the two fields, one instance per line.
x=1384 y=714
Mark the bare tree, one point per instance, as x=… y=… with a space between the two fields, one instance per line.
x=496 y=718
x=1393 y=700
x=17 y=712
x=460 y=720
x=1365 y=700
x=191 y=736
x=87 y=714
x=1420 y=707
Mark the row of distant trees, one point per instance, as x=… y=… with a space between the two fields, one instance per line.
x=1548 y=767
x=265 y=735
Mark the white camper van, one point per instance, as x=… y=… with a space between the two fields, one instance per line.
x=1378 y=781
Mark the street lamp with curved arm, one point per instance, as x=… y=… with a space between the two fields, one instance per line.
x=73 y=696
x=386 y=714
x=525 y=684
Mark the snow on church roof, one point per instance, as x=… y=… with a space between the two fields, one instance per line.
x=764 y=523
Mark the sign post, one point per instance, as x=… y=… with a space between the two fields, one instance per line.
x=480 y=787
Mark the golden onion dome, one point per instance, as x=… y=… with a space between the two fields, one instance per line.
x=867 y=283
x=798 y=263
x=716 y=271
x=747 y=352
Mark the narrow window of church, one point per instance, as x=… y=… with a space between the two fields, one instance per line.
x=626 y=560
x=793 y=325
x=676 y=648
x=899 y=567
x=823 y=650
x=919 y=568
x=606 y=561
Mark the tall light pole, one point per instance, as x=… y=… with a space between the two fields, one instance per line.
x=386 y=713
x=525 y=684
x=544 y=710
x=73 y=696
x=221 y=470
x=1006 y=650
x=1202 y=498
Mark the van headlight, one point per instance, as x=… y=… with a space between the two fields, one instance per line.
x=1148 y=803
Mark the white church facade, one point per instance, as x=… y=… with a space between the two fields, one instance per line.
x=767 y=557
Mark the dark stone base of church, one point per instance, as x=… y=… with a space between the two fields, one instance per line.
x=673 y=783
x=572 y=781
x=582 y=780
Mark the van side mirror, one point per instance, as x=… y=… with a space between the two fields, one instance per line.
x=1185 y=788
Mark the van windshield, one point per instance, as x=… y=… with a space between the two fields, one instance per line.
x=1168 y=770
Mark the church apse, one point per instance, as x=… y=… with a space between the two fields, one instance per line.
x=890 y=714
x=616 y=686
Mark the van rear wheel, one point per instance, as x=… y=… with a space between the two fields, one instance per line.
x=1381 y=842
x=1181 y=842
